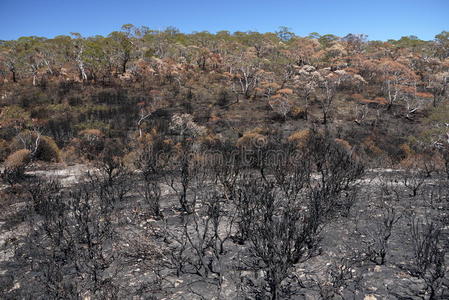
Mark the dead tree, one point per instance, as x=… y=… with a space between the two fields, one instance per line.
x=334 y=187
x=339 y=276
x=429 y=256
x=186 y=175
x=280 y=235
x=197 y=247
x=73 y=236
x=377 y=246
x=413 y=179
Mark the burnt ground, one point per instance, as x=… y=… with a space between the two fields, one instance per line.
x=145 y=246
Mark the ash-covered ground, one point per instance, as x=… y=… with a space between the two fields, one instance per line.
x=388 y=239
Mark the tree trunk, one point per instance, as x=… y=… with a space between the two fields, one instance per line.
x=83 y=75
x=124 y=67
x=274 y=290
x=324 y=117
x=14 y=77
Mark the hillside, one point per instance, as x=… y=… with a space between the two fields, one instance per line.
x=162 y=165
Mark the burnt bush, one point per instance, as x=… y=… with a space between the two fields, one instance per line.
x=429 y=252
x=70 y=242
x=15 y=165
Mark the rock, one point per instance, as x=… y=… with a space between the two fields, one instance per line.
x=308 y=68
x=407 y=288
x=369 y=297
x=178 y=282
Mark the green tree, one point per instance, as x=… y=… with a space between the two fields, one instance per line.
x=327 y=40
x=78 y=45
x=123 y=45
x=285 y=33
x=442 y=44
x=10 y=59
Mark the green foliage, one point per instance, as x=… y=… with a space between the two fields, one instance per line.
x=410 y=42
x=93 y=125
x=327 y=40
x=285 y=33
x=58 y=108
x=14 y=116
x=225 y=80
x=435 y=126
x=48 y=150
x=442 y=40
x=442 y=37
x=314 y=35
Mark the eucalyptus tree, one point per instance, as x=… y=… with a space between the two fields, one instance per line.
x=442 y=44
x=78 y=47
x=10 y=59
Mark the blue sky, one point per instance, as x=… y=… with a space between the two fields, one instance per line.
x=379 y=19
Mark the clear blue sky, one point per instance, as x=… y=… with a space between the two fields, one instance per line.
x=380 y=19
